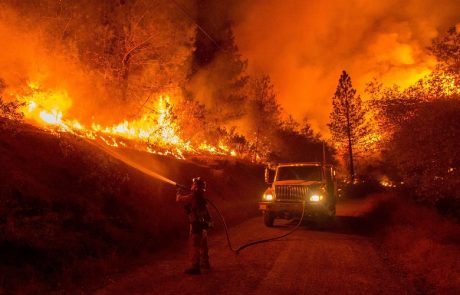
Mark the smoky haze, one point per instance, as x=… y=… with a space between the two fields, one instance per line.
x=31 y=59
x=95 y=61
x=304 y=45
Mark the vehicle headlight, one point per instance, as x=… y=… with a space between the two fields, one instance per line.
x=316 y=198
x=268 y=197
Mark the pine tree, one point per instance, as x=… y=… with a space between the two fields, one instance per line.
x=263 y=114
x=347 y=119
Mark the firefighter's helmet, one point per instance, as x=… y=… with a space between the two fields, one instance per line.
x=200 y=183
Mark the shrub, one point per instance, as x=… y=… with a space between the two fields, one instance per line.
x=423 y=243
x=425 y=151
x=361 y=189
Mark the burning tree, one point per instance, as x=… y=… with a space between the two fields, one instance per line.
x=293 y=142
x=347 y=119
x=123 y=51
x=265 y=115
x=9 y=109
x=392 y=106
x=218 y=70
x=446 y=49
x=420 y=130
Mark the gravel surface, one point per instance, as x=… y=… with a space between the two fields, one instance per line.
x=342 y=260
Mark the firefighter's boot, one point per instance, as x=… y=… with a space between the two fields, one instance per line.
x=195 y=240
x=194 y=270
x=205 y=265
x=204 y=257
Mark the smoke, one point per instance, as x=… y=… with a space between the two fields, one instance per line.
x=96 y=61
x=32 y=62
x=304 y=45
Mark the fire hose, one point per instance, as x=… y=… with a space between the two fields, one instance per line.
x=164 y=179
x=227 y=233
x=237 y=251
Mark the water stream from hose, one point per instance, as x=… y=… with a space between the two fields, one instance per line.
x=130 y=162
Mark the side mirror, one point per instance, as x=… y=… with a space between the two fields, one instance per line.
x=269 y=175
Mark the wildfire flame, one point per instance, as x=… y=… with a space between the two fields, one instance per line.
x=156 y=131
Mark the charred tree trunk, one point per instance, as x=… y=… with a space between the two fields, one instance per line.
x=257 y=143
x=350 y=146
x=124 y=79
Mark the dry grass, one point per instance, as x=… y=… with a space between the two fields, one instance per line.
x=423 y=243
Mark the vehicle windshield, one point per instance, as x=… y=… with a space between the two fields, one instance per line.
x=312 y=173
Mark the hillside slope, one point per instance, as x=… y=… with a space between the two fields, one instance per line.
x=70 y=213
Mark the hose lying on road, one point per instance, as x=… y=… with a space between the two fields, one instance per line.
x=237 y=250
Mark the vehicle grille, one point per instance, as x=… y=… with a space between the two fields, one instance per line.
x=291 y=192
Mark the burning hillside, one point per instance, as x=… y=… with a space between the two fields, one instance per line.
x=155 y=131
x=140 y=74
x=122 y=91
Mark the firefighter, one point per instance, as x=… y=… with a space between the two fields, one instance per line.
x=199 y=219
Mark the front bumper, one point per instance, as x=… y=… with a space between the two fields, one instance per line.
x=293 y=209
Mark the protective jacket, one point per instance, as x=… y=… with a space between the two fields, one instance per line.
x=196 y=208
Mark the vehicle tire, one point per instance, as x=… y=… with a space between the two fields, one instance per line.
x=327 y=221
x=269 y=219
x=332 y=215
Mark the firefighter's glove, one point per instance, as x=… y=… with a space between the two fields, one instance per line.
x=179 y=192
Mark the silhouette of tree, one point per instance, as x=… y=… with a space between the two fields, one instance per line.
x=446 y=49
x=347 y=119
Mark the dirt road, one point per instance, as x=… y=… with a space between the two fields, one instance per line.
x=344 y=260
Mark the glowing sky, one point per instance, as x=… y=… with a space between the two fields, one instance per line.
x=304 y=45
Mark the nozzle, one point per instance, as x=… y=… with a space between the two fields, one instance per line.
x=182 y=189
x=181 y=186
